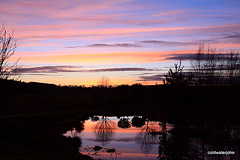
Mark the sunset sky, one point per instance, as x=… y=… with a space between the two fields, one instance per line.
x=76 y=42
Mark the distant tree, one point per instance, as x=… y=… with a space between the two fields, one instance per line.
x=212 y=68
x=104 y=82
x=7 y=49
x=233 y=67
x=205 y=65
x=176 y=76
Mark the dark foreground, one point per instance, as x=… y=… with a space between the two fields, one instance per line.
x=33 y=116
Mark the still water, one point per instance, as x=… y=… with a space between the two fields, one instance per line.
x=120 y=138
x=139 y=138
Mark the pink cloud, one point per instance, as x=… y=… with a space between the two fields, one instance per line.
x=42 y=32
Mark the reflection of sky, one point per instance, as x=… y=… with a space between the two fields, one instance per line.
x=109 y=34
x=123 y=141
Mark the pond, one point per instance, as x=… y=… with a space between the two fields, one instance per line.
x=119 y=138
x=140 y=138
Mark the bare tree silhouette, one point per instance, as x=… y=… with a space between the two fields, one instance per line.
x=211 y=67
x=7 y=49
x=104 y=82
x=233 y=67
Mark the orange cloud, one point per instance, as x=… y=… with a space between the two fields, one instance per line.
x=98 y=58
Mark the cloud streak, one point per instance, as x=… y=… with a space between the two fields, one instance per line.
x=115 y=45
x=121 y=69
x=193 y=56
x=48 y=69
x=156 y=77
x=62 y=69
x=233 y=37
x=146 y=43
x=109 y=45
x=168 y=43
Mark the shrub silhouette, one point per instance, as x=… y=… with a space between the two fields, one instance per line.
x=176 y=77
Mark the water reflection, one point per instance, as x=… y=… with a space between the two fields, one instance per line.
x=177 y=146
x=104 y=130
x=148 y=140
x=148 y=136
x=97 y=151
x=192 y=142
x=138 y=121
x=74 y=135
x=124 y=123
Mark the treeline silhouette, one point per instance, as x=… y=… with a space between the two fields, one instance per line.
x=169 y=102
